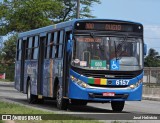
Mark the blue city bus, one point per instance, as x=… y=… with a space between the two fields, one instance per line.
x=81 y=61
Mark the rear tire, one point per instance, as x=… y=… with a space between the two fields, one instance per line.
x=30 y=97
x=62 y=104
x=117 y=105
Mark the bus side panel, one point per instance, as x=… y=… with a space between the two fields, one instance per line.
x=58 y=71
x=52 y=69
x=46 y=73
x=31 y=72
x=17 y=75
x=25 y=76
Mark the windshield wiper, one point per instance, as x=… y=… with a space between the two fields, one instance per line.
x=93 y=36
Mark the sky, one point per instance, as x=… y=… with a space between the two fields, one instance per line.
x=146 y=12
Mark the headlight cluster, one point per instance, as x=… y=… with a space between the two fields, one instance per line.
x=137 y=84
x=79 y=82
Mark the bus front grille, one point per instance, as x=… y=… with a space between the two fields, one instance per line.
x=109 y=86
x=109 y=76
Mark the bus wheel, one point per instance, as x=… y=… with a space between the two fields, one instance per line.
x=62 y=104
x=78 y=102
x=30 y=97
x=117 y=105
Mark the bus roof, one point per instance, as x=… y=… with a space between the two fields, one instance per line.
x=66 y=25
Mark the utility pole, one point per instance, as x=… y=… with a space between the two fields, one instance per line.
x=78 y=9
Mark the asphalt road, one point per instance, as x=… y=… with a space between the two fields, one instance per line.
x=92 y=110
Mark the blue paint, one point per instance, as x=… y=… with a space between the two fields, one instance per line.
x=31 y=70
x=77 y=92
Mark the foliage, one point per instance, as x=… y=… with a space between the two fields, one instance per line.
x=9 y=50
x=152 y=59
x=70 y=6
x=23 y=15
x=7 y=57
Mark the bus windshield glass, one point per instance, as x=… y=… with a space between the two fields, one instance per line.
x=99 y=52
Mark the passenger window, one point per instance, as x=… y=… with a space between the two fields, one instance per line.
x=61 y=37
x=60 y=51
x=30 y=42
x=36 y=41
x=19 y=44
x=35 y=53
x=49 y=39
x=57 y=44
x=53 y=52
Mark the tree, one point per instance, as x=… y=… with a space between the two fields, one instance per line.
x=152 y=59
x=70 y=6
x=23 y=15
x=9 y=50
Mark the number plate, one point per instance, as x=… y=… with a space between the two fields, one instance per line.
x=109 y=94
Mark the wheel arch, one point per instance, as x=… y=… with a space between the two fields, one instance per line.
x=56 y=83
x=28 y=80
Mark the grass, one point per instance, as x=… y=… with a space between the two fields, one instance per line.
x=5 y=80
x=9 y=108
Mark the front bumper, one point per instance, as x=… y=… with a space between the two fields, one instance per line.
x=95 y=94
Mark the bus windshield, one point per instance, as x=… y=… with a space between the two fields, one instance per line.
x=98 y=52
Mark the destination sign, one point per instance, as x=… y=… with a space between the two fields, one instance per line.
x=87 y=39
x=108 y=26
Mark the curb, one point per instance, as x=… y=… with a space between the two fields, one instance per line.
x=6 y=83
x=151 y=98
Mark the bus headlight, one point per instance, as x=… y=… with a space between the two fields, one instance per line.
x=79 y=82
x=136 y=85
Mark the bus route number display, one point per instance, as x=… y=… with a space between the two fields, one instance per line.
x=112 y=27
x=104 y=26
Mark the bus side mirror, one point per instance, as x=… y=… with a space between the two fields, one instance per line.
x=145 y=49
x=70 y=44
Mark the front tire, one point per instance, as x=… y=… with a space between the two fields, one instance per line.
x=117 y=105
x=30 y=97
x=62 y=104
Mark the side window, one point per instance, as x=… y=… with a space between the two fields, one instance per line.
x=35 y=48
x=20 y=44
x=19 y=48
x=30 y=42
x=53 y=51
x=48 y=46
x=36 y=42
x=51 y=45
x=54 y=45
x=60 y=49
x=35 y=54
x=29 y=52
x=57 y=44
